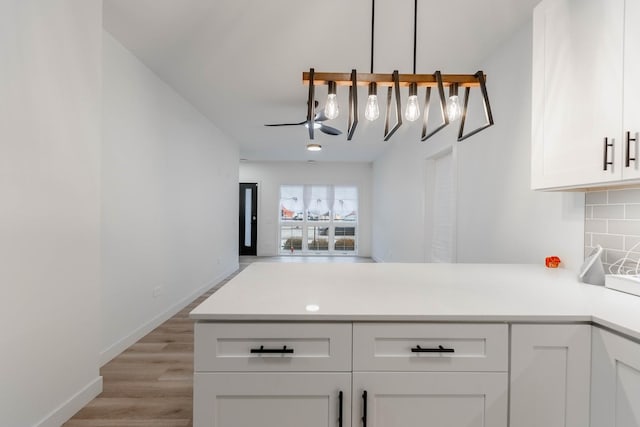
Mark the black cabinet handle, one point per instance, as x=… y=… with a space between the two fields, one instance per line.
x=628 y=157
x=364 y=409
x=262 y=350
x=606 y=161
x=440 y=349
x=340 y=409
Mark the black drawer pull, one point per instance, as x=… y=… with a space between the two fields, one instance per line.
x=364 y=409
x=340 y=409
x=440 y=349
x=262 y=350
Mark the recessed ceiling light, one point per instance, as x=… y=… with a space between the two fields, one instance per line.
x=314 y=147
x=312 y=308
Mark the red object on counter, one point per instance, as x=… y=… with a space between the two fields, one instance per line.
x=552 y=262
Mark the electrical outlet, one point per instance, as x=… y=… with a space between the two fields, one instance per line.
x=157 y=291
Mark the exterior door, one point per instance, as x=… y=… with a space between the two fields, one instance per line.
x=248 y=219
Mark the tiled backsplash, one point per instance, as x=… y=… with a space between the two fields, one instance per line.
x=612 y=220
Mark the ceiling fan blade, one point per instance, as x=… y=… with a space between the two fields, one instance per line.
x=287 y=124
x=330 y=130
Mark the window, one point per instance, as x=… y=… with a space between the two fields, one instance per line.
x=318 y=219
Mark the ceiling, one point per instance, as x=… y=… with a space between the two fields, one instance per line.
x=240 y=62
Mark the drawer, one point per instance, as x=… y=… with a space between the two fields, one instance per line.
x=272 y=347
x=430 y=347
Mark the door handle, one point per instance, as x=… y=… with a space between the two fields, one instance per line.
x=627 y=157
x=364 y=409
x=340 y=409
x=606 y=161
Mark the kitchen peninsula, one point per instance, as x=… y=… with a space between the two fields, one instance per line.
x=391 y=344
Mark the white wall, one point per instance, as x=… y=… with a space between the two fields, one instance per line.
x=499 y=219
x=271 y=175
x=50 y=90
x=170 y=201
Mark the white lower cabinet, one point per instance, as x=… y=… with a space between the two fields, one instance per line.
x=615 y=396
x=456 y=399
x=550 y=375
x=320 y=399
x=414 y=374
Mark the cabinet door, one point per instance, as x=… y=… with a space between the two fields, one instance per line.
x=576 y=92
x=631 y=95
x=615 y=395
x=271 y=399
x=455 y=399
x=550 y=367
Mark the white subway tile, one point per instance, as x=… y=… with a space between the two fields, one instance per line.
x=588 y=212
x=596 y=198
x=632 y=211
x=608 y=212
x=595 y=225
x=630 y=242
x=608 y=241
x=629 y=195
x=625 y=227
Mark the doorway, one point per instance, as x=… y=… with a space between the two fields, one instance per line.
x=440 y=207
x=248 y=232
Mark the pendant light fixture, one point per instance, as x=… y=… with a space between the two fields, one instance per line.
x=372 y=111
x=412 y=113
x=450 y=109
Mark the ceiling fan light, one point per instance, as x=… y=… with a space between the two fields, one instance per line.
x=314 y=147
x=316 y=125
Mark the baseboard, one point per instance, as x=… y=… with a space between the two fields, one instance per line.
x=68 y=409
x=376 y=259
x=126 y=342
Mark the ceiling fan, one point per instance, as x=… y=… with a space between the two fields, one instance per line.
x=318 y=120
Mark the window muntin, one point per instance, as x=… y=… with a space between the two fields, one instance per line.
x=318 y=219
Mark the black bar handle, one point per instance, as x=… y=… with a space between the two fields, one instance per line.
x=628 y=157
x=262 y=350
x=364 y=409
x=606 y=161
x=340 y=409
x=440 y=349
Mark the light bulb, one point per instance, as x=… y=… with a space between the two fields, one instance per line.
x=413 y=109
x=372 y=111
x=331 y=109
x=314 y=147
x=454 y=111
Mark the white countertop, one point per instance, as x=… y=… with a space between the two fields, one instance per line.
x=418 y=292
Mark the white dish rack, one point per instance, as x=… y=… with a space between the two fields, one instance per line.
x=629 y=283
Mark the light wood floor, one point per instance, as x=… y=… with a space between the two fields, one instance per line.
x=151 y=383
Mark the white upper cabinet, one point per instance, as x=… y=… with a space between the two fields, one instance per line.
x=631 y=123
x=577 y=93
